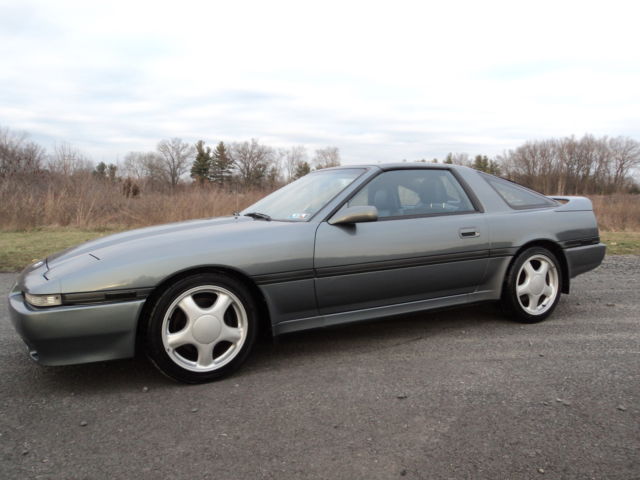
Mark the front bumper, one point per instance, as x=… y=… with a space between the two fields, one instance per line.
x=583 y=259
x=76 y=334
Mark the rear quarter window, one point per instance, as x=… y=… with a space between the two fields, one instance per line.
x=517 y=196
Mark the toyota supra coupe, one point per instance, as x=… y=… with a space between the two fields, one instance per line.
x=339 y=245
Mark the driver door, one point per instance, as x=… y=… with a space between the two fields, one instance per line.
x=430 y=241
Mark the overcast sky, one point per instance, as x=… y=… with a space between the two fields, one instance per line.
x=383 y=81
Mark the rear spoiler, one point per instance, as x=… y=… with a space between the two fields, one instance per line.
x=572 y=204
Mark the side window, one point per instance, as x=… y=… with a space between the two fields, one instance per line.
x=517 y=196
x=401 y=193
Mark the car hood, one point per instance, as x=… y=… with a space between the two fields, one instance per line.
x=147 y=239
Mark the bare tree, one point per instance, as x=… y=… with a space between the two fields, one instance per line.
x=67 y=160
x=176 y=157
x=573 y=166
x=18 y=155
x=274 y=177
x=625 y=154
x=252 y=161
x=294 y=157
x=146 y=167
x=326 y=157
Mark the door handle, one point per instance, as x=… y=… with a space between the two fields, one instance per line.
x=470 y=232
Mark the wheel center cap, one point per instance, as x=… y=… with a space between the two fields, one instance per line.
x=206 y=328
x=537 y=285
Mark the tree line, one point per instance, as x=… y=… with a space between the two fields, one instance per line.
x=572 y=166
x=246 y=165
x=569 y=165
x=565 y=166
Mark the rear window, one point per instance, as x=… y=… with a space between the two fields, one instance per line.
x=517 y=196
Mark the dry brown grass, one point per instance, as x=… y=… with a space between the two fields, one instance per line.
x=618 y=212
x=82 y=201
x=86 y=202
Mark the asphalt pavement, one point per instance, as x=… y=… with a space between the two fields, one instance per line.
x=459 y=394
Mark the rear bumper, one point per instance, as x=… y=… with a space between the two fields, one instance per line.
x=583 y=259
x=76 y=334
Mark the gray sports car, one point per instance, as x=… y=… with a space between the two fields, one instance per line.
x=336 y=246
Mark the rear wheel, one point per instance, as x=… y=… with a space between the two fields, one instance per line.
x=532 y=287
x=202 y=328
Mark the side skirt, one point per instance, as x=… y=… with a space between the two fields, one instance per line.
x=381 y=312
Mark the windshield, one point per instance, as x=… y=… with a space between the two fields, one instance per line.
x=300 y=200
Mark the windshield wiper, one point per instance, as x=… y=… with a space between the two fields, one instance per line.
x=258 y=216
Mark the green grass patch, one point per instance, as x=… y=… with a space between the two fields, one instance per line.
x=19 y=249
x=621 y=243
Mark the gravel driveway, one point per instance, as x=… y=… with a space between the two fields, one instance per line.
x=461 y=394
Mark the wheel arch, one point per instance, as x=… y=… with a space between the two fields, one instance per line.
x=264 y=320
x=554 y=248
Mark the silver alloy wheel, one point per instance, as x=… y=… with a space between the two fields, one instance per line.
x=537 y=284
x=204 y=328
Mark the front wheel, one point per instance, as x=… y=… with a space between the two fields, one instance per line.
x=202 y=328
x=532 y=286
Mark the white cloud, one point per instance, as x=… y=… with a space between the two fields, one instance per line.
x=381 y=80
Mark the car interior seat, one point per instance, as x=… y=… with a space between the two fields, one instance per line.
x=384 y=202
x=433 y=195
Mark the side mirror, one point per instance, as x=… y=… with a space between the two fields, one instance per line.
x=365 y=213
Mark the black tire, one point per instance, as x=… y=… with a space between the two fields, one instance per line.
x=517 y=307
x=182 y=363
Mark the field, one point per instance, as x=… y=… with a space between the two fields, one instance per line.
x=19 y=249
x=621 y=243
x=617 y=213
x=84 y=202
